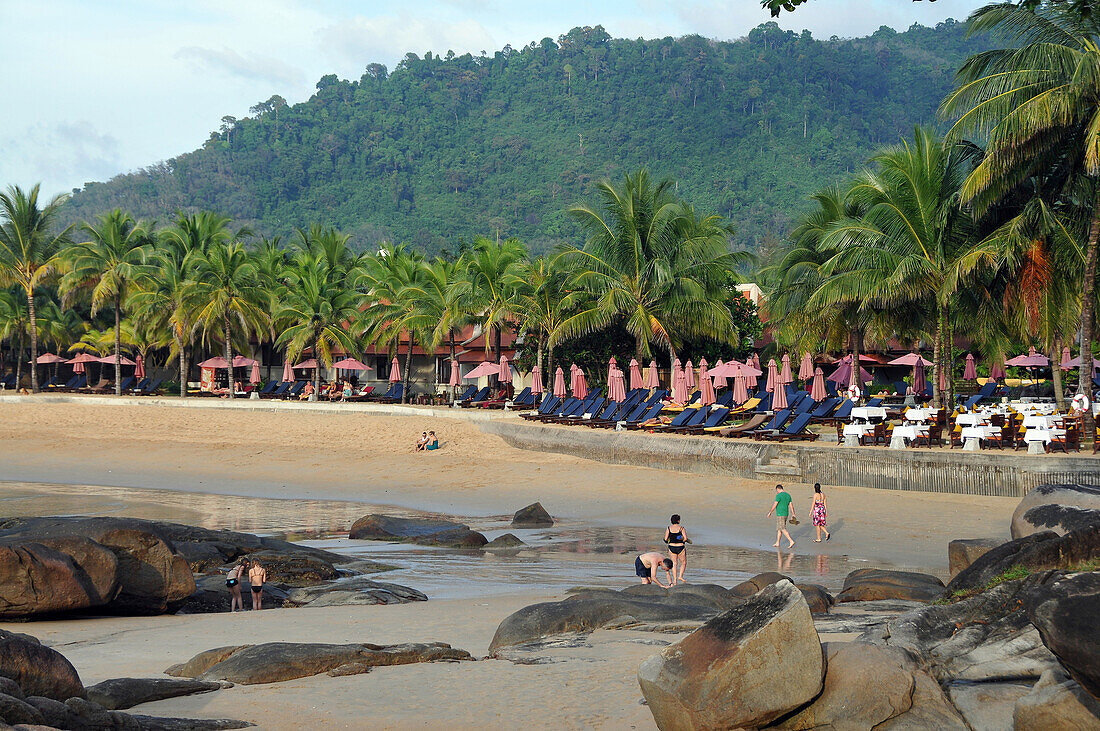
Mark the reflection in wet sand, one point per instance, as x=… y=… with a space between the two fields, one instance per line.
x=567 y=555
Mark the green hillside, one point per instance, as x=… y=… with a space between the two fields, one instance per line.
x=445 y=148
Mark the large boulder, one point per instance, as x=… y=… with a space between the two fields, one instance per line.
x=508 y=540
x=533 y=516
x=151 y=575
x=17 y=711
x=275 y=662
x=653 y=609
x=963 y=552
x=1036 y=552
x=865 y=585
x=743 y=669
x=1059 y=508
x=35 y=579
x=1067 y=615
x=1056 y=702
x=818 y=598
x=37 y=669
x=873 y=687
x=357 y=590
x=121 y=693
x=987 y=705
x=983 y=638
x=423 y=531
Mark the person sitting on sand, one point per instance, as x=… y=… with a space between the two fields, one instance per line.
x=433 y=442
x=257 y=575
x=645 y=567
x=233 y=581
x=348 y=390
x=422 y=442
x=306 y=392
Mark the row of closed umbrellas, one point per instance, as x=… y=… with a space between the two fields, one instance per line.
x=82 y=359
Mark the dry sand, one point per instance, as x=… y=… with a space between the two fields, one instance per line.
x=369 y=458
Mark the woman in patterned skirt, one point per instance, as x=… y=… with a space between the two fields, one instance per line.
x=819 y=513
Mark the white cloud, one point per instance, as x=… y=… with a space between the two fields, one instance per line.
x=53 y=153
x=363 y=40
x=252 y=67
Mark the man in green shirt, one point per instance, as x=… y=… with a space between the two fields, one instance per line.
x=783 y=510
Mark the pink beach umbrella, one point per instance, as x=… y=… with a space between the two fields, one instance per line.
x=750 y=376
x=740 y=391
x=612 y=366
x=1066 y=357
x=785 y=373
x=1031 y=360
x=241 y=361
x=483 y=369
x=651 y=380
x=676 y=372
x=997 y=371
x=773 y=376
x=616 y=386
x=909 y=359
x=306 y=365
x=351 y=364
x=718 y=376
x=806 y=368
x=536 y=380
x=689 y=375
x=636 y=380
x=215 y=362
x=559 y=383
x=779 y=400
x=580 y=390
x=505 y=373
x=395 y=371
x=50 y=359
x=756 y=362
x=1075 y=362
x=943 y=379
x=970 y=373
x=456 y=375
x=706 y=387
x=679 y=387
x=288 y=372
x=254 y=377
x=139 y=369
x=572 y=376
x=920 y=380
x=817 y=390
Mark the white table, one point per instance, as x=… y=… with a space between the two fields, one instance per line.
x=1039 y=434
x=858 y=430
x=1037 y=421
x=979 y=432
x=1034 y=408
x=972 y=419
x=910 y=431
x=868 y=412
x=919 y=415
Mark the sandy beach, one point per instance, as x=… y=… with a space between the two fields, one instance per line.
x=225 y=467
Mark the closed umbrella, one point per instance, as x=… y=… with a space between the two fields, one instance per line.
x=456 y=375
x=676 y=372
x=288 y=372
x=773 y=376
x=756 y=362
x=920 y=380
x=651 y=380
x=536 y=380
x=943 y=379
x=679 y=387
x=1066 y=357
x=559 y=383
x=139 y=369
x=580 y=390
x=612 y=366
x=785 y=373
x=572 y=376
x=806 y=368
x=817 y=390
x=970 y=373
x=616 y=386
x=636 y=380
x=395 y=371
x=717 y=376
x=254 y=377
x=706 y=387
x=779 y=400
x=750 y=376
x=997 y=371
x=689 y=375
x=505 y=374
x=740 y=391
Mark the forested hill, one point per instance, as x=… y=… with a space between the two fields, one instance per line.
x=442 y=149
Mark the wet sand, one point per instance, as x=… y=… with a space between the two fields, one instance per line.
x=310 y=475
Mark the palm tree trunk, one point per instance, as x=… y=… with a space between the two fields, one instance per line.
x=937 y=359
x=856 y=378
x=118 y=346
x=949 y=355
x=33 y=325
x=408 y=365
x=548 y=377
x=317 y=370
x=538 y=356
x=451 y=338
x=1084 y=372
x=229 y=358
x=183 y=365
x=19 y=362
x=1056 y=371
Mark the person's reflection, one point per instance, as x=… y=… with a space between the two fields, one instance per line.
x=783 y=563
x=821 y=567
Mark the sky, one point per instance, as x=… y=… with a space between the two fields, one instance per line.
x=95 y=88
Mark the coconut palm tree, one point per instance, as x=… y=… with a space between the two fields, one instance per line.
x=316 y=312
x=493 y=271
x=651 y=262
x=14 y=325
x=108 y=263
x=437 y=302
x=390 y=280
x=226 y=296
x=29 y=246
x=544 y=302
x=1035 y=102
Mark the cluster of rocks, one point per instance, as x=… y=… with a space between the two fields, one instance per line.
x=39 y=688
x=445 y=533
x=1010 y=642
x=53 y=565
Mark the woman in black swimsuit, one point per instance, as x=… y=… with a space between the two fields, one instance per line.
x=233 y=581
x=676 y=540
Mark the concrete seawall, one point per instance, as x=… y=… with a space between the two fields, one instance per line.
x=1006 y=474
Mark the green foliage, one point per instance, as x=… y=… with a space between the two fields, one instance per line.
x=442 y=149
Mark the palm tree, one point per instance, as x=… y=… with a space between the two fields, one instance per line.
x=14 y=326
x=225 y=292
x=651 y=262
x=912 y=245
x=29 y=249
x=317 y=313
x=544 y=302
x=109 y=263
x=1035 y=102
x=390 y=280
x=437 y=302
x=493 y=270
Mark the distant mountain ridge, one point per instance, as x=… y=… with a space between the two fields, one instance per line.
x=442 y=149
